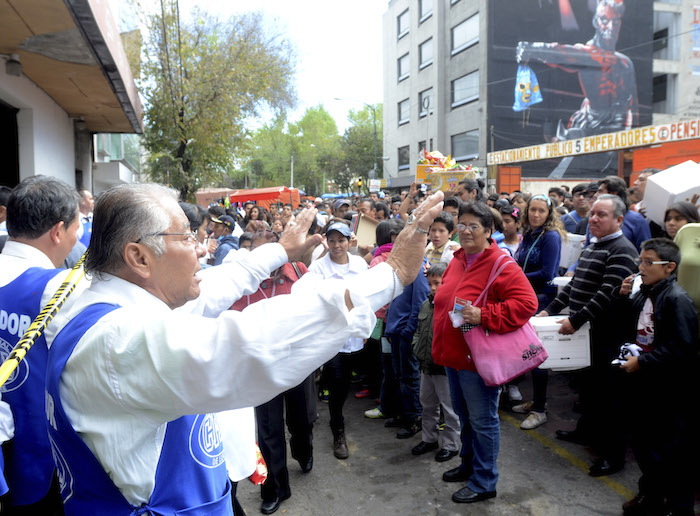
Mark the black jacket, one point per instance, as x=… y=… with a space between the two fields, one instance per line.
x=675 y=346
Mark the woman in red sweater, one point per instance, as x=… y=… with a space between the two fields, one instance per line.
x=509 y=305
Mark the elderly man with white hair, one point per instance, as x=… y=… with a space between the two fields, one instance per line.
x=149 y=351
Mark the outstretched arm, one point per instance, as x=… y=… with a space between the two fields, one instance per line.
x=569 y=58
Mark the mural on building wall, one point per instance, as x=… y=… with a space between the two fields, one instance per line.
x=593 y=62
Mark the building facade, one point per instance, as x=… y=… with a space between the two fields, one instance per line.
x=439 y=63
x=434 y=83
x=64 y=76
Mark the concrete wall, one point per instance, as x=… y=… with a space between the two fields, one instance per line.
x=83 y=156
x=109 y=174
x=45 y=131
x=688 y=100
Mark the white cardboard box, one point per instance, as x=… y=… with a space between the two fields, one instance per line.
x=561 y=282
x=566 y=352
x=678 y=183
x=571 y=248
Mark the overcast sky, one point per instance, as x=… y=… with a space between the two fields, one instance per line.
x=338 y=45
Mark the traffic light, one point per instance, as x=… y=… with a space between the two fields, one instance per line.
x=359 y=183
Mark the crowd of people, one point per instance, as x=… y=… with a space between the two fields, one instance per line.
x=171 y=328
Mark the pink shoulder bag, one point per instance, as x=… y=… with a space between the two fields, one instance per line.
x=500 y=357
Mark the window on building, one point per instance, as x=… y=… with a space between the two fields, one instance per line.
x=667 y=26
x=404 y=157
x=431 y=145
x=660 y=39
x=425 y=102
x=421 y=146
x=665 y=93
x=402 y=24
x=403 y=67
x=425 y=53
x=465 y=34
x=659 y=92
x=425 y=9
x=465 y=145
x=465 y=89
x=404 y=112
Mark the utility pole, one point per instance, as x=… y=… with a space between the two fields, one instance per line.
x=291 y=179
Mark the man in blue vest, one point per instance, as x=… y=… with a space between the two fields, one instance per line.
x=149 y=352
x=42 y=221
x=87 y=204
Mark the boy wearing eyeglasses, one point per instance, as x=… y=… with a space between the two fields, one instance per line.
x=662 y=320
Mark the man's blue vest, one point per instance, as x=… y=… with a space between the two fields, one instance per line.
x=87 y=230
x=28 y=464
x=191 y=477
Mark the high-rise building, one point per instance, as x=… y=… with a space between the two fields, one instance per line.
x=434 y=83
x=451 y=78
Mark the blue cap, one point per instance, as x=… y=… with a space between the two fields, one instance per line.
x=226 y=220
x=339 y=202
x=341 y=228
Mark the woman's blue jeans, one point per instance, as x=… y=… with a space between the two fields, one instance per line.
x=476 y=405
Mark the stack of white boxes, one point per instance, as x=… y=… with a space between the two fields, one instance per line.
x=678 y=183
x=566 y=352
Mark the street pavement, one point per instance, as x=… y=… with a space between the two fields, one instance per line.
x=539 y=475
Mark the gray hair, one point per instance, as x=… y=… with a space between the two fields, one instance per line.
x=619 y=208
x=123 y=214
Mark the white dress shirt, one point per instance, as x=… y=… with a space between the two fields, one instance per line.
x=144 y=364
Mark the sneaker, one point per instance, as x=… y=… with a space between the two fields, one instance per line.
x=324 y=395
x=364 y=393
x=374 y=413
x=533 y=420
x=514 y=393
x=340 y=445
x=357 y=377
x=523 y=408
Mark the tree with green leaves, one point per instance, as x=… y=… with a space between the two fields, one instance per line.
x=314 y=143
x=202 y=80
x=358 y=147
x=319 y=152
